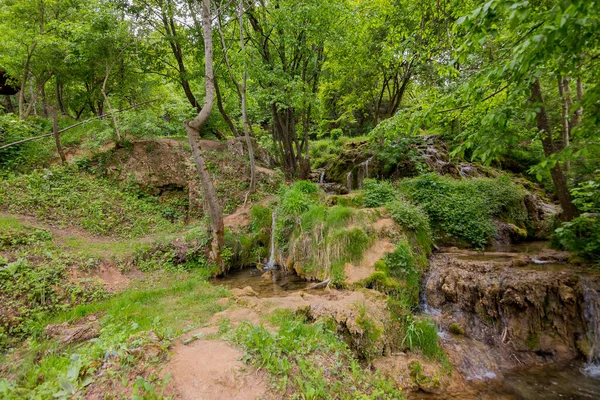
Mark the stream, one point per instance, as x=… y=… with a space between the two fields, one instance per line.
x=273 y=283
x=505 y=282
x=501 y=282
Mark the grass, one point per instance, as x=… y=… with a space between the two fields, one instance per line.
x=309 y=360
x=44 y=367
x=69 y=197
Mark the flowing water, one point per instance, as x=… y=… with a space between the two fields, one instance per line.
x=591 y=298
x=576 y=380
x=271 y=263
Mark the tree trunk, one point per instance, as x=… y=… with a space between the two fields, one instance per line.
x=558 y=176
x=243 y=98
x=55 y=132
x=576 y=120
x=284 y=130
x=224 y=113
x=193 y=128
x=24 y=82
x=110 y=108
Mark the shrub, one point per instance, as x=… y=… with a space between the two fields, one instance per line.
x=402 y=265
x=30 y=153
x=466 y=209
x=581 y=236
x=378 y=193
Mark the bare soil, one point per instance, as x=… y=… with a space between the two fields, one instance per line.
x=212 y=370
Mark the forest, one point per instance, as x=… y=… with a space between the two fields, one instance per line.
x=307 y=199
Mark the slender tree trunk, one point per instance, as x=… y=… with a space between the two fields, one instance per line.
x=576 y=120
x=558 y=176
x=55 y=132
x=243 y=98
x=24 y=82
x=110 y=108
x=224 y=113
x=44 y=101
x=193 y=128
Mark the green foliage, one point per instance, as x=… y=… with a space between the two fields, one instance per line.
x=397 y=152
x=378 y=193
x=421 y=334
x=581 y=236
x=23 y=156
x=310 y=361
x=466 y=209
x=13 y=233
x=297 y=199
x=456 y=329
x=66 y=196
x=30 y=290
x=402 y=265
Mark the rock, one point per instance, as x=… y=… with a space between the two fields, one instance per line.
x=245 y=292
x=508 y=302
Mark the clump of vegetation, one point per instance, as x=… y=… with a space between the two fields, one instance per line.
x=13 y=233
x=310 y=359
x=421 y=334
x=466 y=209
x=23 y=157
x=414 y=219
x=582 y=234
x=456 y=329
x=67 y=196
x=31 y=290
x=378 y=193
x=147 y=316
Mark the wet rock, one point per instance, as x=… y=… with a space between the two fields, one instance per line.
x=511 y=303
x=244 y=292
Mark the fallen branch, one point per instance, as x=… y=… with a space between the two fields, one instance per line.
x=76 y=125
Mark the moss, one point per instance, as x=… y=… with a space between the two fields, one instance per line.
x=456 y=329
x=533 y=341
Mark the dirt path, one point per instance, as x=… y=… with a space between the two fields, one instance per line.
x=366 y=267
x=212 y=370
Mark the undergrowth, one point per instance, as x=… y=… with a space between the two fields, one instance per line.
x=310 y=361
x=137 y=327
x=464 y=210
x=70 y=197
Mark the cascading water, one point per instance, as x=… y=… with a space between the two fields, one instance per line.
x=363 y=171
x=349 y=180
x=591 y=298
x=322 y=177
x=271 y=262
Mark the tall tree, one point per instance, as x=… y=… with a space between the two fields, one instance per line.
x=194 y=127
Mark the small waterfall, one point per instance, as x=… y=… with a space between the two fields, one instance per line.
x=271 y=263
x=322 y=177
x=363 y=171
x=349 y=180
x=591 y=312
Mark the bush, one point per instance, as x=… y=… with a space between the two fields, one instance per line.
x=581 y=236
x=466 y=209
x=30 y=153
x=378 y=193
